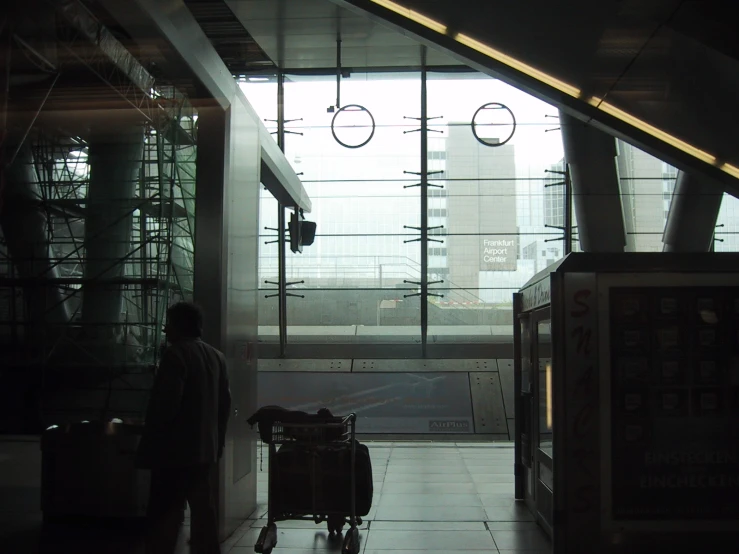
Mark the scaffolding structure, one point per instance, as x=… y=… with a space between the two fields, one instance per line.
x=100 y=369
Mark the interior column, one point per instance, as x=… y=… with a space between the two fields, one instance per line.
x=691 y=222
x=591 y=156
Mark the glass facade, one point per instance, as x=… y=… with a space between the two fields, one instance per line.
x=647 y=185
x=727 y=226
x=491 y=205
x=494 y=207
x=485 y=206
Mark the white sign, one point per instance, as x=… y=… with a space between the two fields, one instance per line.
x=499 y=253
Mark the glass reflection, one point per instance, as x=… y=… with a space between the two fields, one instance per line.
x=544 y=349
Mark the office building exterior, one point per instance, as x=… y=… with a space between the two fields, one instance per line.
x=479 y=213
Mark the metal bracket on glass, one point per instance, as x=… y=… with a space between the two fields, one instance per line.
x=427 y=184
x=286 y=294
x=557 y=239
x=286 y=285
x=286 y=131
x=277 y=231
x=421 y=119
x=419 y=230
x=556 y=172
x=574 y=233
x=433 y=229
x=420 y=284
x=433 y=293
x=555 y=129
x=417 y=283
x=715 y=239
x=415 y=229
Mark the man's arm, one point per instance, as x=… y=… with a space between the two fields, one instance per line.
x=166 y=395
x=224 y=405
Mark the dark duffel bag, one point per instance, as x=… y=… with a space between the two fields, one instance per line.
x=301 y=472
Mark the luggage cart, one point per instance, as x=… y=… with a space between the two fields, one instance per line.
x=314 y=440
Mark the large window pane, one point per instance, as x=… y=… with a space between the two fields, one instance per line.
x=355 y=274
x=493 y=203
x=727 y=227
x=262 y=94
x=647 y=184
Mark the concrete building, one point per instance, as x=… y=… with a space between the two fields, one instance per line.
x=645 y=198
x=554 y=197
x=480 y=210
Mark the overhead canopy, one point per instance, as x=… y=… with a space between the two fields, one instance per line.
x=279 y=177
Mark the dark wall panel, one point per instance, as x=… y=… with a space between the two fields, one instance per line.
x=506 y=384
x=487 y=403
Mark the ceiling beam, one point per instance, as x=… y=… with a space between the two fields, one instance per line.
x=171 y=22
x=547 y=90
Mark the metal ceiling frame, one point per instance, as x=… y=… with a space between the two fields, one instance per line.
x=430 y=33
x=175 y=24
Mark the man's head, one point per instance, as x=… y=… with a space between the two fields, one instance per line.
x=184 y=321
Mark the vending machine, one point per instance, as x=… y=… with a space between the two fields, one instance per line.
x=627 y=402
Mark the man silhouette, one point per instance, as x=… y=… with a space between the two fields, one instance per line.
x=184 y=434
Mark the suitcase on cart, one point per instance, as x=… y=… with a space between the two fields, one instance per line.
x=332 y=466
x=320 y=472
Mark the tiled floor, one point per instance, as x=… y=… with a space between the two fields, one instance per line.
x=428 y=497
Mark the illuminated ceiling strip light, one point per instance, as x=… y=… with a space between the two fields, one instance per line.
x=412 y=15
x=731 y=170
x=652 y=130
x=557 y=84
x=480 y=47
x=518 y=65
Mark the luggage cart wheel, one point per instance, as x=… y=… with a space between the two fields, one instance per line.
x=267 y=539
x=351 y=542
x=335 y=524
